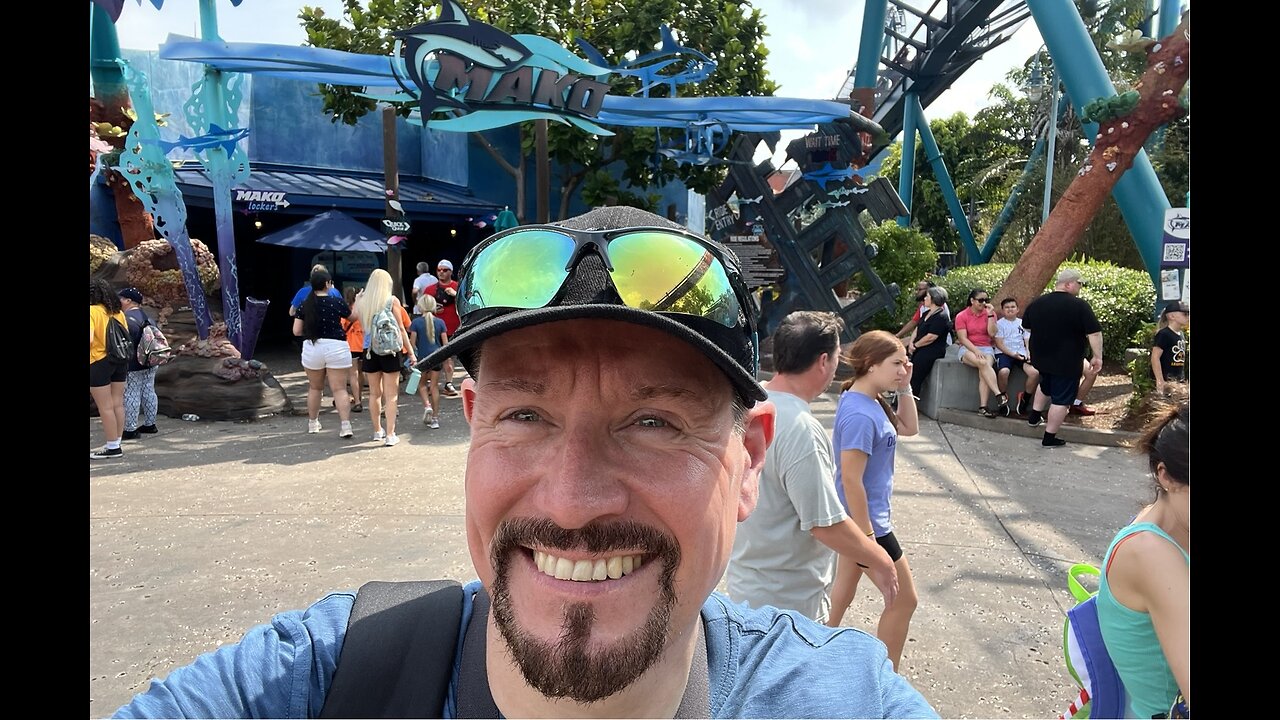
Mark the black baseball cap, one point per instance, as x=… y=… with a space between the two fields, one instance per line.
x=1176 y=306
x=589 y=293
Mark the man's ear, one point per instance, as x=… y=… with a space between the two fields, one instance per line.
x=755 y=440
x=468 y=398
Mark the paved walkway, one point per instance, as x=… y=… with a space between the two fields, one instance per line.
x=207 y=529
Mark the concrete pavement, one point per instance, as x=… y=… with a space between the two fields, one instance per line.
x=207 y=529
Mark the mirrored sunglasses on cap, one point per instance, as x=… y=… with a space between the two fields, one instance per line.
x=660 y=270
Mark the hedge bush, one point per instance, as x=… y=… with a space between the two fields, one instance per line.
x=1121 y=298
x=903 y=256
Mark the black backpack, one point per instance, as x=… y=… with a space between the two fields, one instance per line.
x=120 y=348
x=397 y=657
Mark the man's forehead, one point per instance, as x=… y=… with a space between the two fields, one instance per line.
x=634 y=355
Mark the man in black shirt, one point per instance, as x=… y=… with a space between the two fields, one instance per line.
x=1062 y=327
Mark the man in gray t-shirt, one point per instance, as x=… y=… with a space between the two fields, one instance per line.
x=784 y=553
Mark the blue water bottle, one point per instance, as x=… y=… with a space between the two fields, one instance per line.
x=414 y=377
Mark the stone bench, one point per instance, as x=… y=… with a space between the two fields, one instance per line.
x=954 y=385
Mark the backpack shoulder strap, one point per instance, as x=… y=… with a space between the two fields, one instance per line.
x=397 y=658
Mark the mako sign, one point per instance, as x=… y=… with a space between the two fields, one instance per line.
x=260 y=200
x=487 y=78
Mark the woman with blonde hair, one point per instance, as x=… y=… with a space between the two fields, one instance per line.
x=865 y=438
x=428 y=333
x=383 y=371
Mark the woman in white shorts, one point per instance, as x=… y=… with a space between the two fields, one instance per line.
x=325 y=353
x=975 y=326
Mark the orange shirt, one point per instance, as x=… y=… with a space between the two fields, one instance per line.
x=355 y=334
x=404 y=323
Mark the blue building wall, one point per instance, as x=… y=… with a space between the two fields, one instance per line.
x=289 y=127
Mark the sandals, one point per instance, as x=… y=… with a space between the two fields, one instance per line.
x=1002 y=405
x=358 y=407
x=985 y=412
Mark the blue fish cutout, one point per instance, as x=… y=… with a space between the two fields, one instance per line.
x=750 y=201
x=453 y=32
x=833 y=204
x=216 y=137
x=689 y=64
x=828 y=174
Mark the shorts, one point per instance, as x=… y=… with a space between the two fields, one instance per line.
x=326 y=353
x=986 y=349
x=356 y=356
x=372 y=363
x=1061 y=389
x=1007 y=362
x=890 y=544
x=104 y=372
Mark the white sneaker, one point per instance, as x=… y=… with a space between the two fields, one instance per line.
x=380 y=435
x=391 y=440
x=313 y=426
x=426 y=415
x=434 y=424
x=345 y=432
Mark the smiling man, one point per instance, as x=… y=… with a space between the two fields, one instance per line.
x=617 y=436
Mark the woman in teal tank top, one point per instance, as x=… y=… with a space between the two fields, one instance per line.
x=1144 y=601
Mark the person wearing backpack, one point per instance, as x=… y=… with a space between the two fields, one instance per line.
x=386 y=337
x=1144 y=593
x=140 y=383
x=428 y=333
x=107 y=369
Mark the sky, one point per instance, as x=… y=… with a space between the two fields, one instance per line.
x=812 y=43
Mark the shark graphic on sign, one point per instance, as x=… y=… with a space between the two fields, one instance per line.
x=455 y=33
x=487 y=78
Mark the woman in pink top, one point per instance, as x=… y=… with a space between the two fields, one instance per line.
x=975 y=326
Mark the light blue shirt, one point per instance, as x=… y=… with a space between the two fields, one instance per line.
x=761 y=663
x=861 y=424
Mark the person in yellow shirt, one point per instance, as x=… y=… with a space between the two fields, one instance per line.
x=106 y=378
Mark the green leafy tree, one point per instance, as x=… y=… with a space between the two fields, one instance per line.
x=731 y=32
x=903 y=256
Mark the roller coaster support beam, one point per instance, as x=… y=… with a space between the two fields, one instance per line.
x=907 y=168
x=1170 y=15
x=934 y=156
x=873 y=16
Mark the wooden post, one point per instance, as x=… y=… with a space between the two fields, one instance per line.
x=544 y=171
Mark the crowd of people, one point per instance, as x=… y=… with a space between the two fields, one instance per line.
x=623 y=459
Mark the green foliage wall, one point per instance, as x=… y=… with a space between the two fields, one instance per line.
x=1121 y=298
x=903 y=256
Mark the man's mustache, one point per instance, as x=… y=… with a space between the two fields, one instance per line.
x=593 y=538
